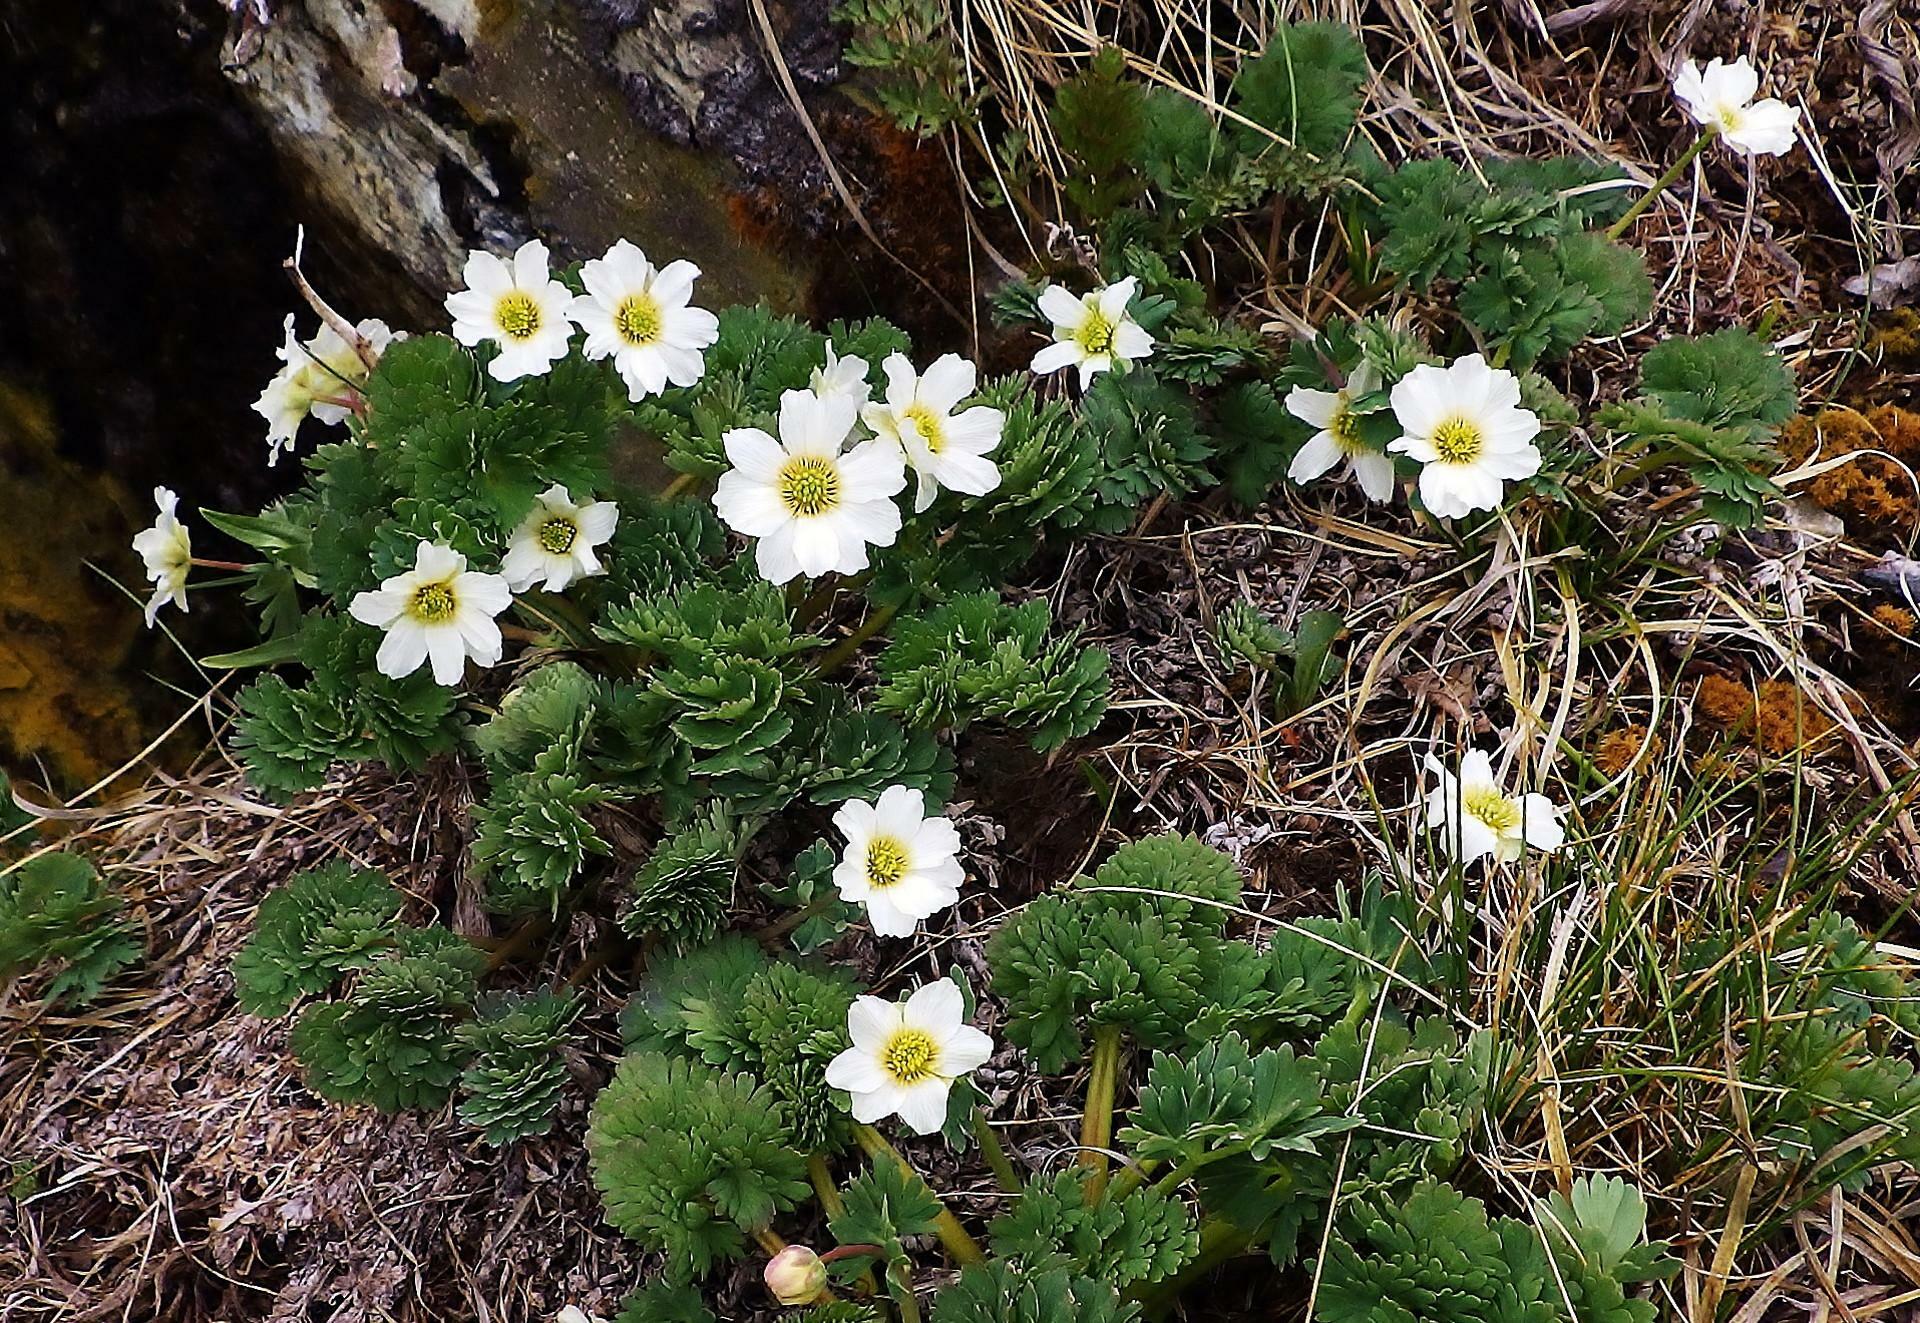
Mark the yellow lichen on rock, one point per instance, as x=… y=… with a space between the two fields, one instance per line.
x=64 y=632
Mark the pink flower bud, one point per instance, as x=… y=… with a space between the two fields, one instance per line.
x=796 y=1276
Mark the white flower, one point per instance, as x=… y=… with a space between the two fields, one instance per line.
x=320 y=378
x=640 y=318
x=575 y=1314
x=1339 y=435
x=843 y=377
x=814 y=509
x=1721 y=99
x=1477 y=818
x=1092 y=332
x=900 y=863
x=517 y=307
x=946 y=449
x=556 y=541
x=1465 y=426
x=438 y=609
x=166 y=550
x=906 y=1056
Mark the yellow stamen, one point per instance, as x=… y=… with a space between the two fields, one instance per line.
x=909 y=1056
x=638 y=319
x=1491 y=807
x=517 y=315
x=932 y=428
x=433 y=603
x=1458 y=441
x=809 y=486
x=1346 y=430
x=556 y=536
x=886 y=862
x=1096 y=333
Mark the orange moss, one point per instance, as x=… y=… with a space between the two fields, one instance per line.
x=1874 y=491
x=1896 y=620
x=1726 y=701
x=1785 y=719
x=1898 y=336
x=1618 y=748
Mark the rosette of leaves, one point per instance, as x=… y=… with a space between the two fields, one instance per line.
x=689 y=1159
x=1437 y=1255
x=311 y=931
x=1000 y=1292
x=1536 y=279
x=390 y=1040
x=1130 y=947
x=55 y=910
x=976 y=656
x=532 y=837
x=1145 y=1237
x=1407 y=1099
x=1150 y=443
x=660 y=547
x=545 y=720
x=1301 y=660
x=513 y=1081
x=1232 y=1118
x=776 y=1022
x=346 y=711
x=683 y=890
x=862 y=753
x=1711 y=404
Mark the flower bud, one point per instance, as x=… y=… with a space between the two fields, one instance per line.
x=796 y=1276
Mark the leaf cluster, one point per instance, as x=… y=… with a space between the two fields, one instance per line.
x=688 y=1159
x=57 y=912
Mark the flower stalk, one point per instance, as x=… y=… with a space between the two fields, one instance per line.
x=1664 y=182
x=1096 y=1126
x=994 y=1152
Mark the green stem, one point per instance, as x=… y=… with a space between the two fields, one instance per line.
x=673 y=489
x=900 y=1287
x=1096 y=1126
x=963 y=1247
x=835 y=1207
x=823 y=1187
x=1660 y=185
x=1130 y=1178
x=873 y=624
x=995 y=1154
x=769 y=936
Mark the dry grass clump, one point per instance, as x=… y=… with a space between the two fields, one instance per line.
x=165 y=1160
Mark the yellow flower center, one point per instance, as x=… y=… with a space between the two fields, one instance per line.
x=909 y=1056
x=517 y=315
x=1729 y=119
x=809 y=485
x=932 y=428
x=886 y=862
x=638 y=319
x=1346 y=430
x=433 y=603
x=1492 y=808
x=1458 y=441
x=1096 y=333
x=556 y=536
